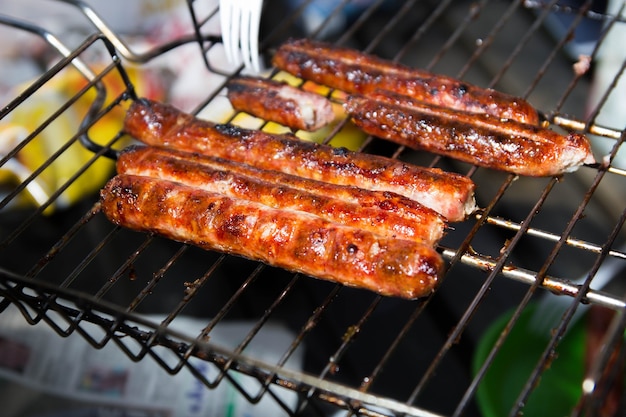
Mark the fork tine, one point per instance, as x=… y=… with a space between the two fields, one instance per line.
x=255 y=30
x=230 y=18
x=235 y=28
x=245 y=37
x=225 y=18
x=250 y=35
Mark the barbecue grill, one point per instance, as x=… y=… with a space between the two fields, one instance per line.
x=63 y=266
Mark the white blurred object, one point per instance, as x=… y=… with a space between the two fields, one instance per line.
x=240 y=21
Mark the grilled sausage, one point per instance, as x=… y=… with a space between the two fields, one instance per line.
x=223 y=178
x=158 y=124
x=479 y=139
x=292 y=240
x=384 y=200
x=279 y=102
x=352 y=71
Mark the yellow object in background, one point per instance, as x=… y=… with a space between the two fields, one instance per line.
x=55 y=138
x=55 y=156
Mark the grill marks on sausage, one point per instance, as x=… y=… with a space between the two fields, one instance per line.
x=437 y=113
x=449 y=194
x=352 y=71
x=380 y=213
x=387 y=201
x=291 y=204
x=479 y=139
x=293 y=240
x=191 y=197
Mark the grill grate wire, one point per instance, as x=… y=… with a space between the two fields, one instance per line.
x=39 y=300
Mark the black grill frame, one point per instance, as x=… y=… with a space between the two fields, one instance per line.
x=42 y=301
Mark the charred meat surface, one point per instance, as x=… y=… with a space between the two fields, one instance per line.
x=292 y=240
x=479 y=139
x=158 y=124
x=227 y=178
x=352 y=71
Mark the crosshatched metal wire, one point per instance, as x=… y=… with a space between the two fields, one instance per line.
x=68 y=310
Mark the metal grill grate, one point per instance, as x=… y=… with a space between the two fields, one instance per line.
x=63 y=264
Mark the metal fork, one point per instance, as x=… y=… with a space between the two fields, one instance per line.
x=549 y=308
x=240 y=21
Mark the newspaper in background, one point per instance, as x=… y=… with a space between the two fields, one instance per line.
x=45 y=375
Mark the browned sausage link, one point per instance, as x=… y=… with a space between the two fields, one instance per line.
x=352 y=71
x=279 y=102
x=479 y=139
x=388 y=201
x=158 y=124
x=157 y=163
x=292 y=240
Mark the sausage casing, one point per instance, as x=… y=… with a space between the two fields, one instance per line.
x=211 y=174
x=159 y=124
x=479 y=139
x=384 y=200
x=353 y=71
x=292 y=240
x=280 y=102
